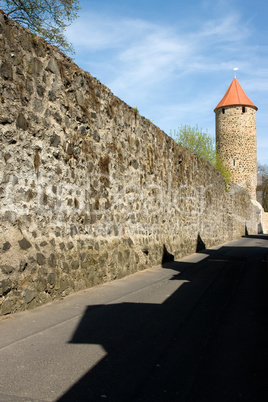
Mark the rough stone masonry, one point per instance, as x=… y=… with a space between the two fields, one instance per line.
x=90 y=190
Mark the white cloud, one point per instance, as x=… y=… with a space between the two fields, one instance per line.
x=147 y=53
x=226 y=29
x=175 y=74
x=97 y=32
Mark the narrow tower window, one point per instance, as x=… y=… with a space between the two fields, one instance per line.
x=234 y=162
x=223 y=110
x=243 y=109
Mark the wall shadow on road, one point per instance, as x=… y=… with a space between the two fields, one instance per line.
x=259 y=236
x=155 y=350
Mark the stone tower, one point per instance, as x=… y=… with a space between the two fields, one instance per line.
x=236 y=139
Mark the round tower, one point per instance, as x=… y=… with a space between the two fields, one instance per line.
x=236 y=139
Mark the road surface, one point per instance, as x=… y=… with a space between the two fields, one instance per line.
x=192 y=330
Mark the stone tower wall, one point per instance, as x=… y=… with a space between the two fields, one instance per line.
x=236 y=142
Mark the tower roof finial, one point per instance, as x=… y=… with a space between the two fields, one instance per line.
x=235 y=70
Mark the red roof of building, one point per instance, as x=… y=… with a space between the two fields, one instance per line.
x=234 y=96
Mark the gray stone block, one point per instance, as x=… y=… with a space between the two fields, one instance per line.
x=5 y=286
x=7 y=269
x=6 y=246
x=29 y=295
x=21 y=122
x=24 y=244
x=40 y=258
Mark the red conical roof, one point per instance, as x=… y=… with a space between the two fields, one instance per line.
x=235 y=96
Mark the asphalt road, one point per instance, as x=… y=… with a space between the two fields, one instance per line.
x=194 y=330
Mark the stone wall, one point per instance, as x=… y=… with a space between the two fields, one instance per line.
x=236 y=142
x=90 y=190
x=265 y=223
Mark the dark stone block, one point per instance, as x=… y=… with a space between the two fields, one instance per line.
x=53 y=66
x=130 y=242
x=116 y=230
x=96 y=136
x=80 y=98
x=137 y=258
x=24 y=244
x=120 y=257
x=52 y=260
x=93 y=218
x=15 y=181
x=7 y=269
x=38 y=106
x=39 y=48
x=35 y=67
x=29 y=87
x=6 y=71
x=82 y=256
x=43 y=244
x=51 y=279
x=7 y=156
x=21 y=122
x=52 y=242
x=6 y=246
x=73 y=230
x=65 y=267
x=6 y=307
x=55 y=140
x=83 y=130
x=57 y=117
x=70 y=245
x=29 y=295
x=5 y=287
x=52 y=96
x=75 y=264
x=70 y=149
x=40 y=91
x=134 y=164
x=80 y=243
x=23 y=266
x=40 y=258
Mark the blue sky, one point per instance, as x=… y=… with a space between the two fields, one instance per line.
x=174 y=60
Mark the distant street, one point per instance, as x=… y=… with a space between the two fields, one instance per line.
x=195 y=330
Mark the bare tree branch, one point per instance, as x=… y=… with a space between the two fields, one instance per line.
x=46 y=18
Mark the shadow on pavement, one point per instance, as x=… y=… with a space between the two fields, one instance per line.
x=207 y=341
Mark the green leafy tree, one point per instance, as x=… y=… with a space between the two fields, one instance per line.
x=203 y=145
x=46 y=18
x=220 y=166
x=196 y=140
x=262 y=186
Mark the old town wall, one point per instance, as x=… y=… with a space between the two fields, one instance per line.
x=90 y=190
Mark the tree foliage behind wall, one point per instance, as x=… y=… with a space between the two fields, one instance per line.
x=195 y=139
x=46 y=18
x=262 y=186
x=203 y=145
